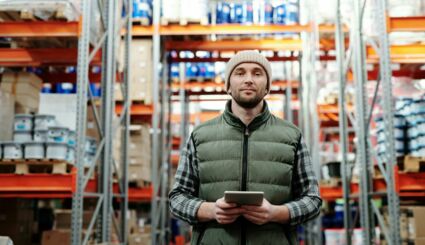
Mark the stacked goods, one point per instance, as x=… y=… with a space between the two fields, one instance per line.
x=140 y=154
x=411 y=224
x=7 y=102
x=25 y=87
x=193 y=11
x=141 y=75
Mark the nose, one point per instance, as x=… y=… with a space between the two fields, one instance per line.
x=248 y=78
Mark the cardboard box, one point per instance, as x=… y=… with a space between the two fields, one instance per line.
x=414 y=164
x=55 y=237
x=24 y=86
x=7 y=112
x=140 y=239
x=139 y=172
x=411 y=222
x=63 y=219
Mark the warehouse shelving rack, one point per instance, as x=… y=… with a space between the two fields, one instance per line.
x=394 y=184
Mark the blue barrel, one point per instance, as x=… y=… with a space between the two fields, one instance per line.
x=202 y=70
x=279 y=14
x=223 y=13
x=292 y=12
x=174 y=71
x=268 y=14
x=210 y=70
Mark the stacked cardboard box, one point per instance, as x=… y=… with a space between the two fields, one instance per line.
x=411 y=224
x=141 y=72
x=26 y=89
x=140 y=154
x=7 y=112
x=17 y=220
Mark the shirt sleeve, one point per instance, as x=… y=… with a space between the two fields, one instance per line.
x=307 y=202
x=184 y=203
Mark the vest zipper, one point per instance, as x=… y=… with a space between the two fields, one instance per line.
x=244 y=177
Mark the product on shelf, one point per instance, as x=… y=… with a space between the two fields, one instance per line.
x=43 y=122
x=142 y=11
x=34 y=150
x=26 y=89
x=23 y=122
x=56 y=150
x=7 y=112
x=12 y=150
x=22 y=136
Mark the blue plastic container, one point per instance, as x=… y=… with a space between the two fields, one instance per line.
x=242 y=13
x=266 y=15
x=202 y=70
x=292 y=12
x=47 y=88
x=174 y=71
x=142 y=9
x=95 y=89
x=192 y=70
x=64 y=88
x=279 y=14
x=223 y=13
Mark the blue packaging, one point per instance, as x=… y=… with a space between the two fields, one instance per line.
x=292 y=13
x=242 y=13
x=191 y=70
x=47 y=88
x=223 y=13
x=202 y=70
x=142 y=9
x=279 y=14
x=95 y=89
x=210 y=70
x=64 y=88
x=174 y=71
x=267 y=17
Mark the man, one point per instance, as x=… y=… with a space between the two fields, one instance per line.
x=245 y=149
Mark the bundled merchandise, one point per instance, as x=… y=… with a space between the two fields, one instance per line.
x=25 y=87
x=411 y=224
x=44 y=9
x=142 y=11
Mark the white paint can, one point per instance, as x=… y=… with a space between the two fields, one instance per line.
x=72 y=138
x=34 y=150
x=40 y=135
x=23 y=122
x=44 y=122
x=12 y=150
x=70 y=156
x=22 y=136
x=58 y=135
x=56 y=150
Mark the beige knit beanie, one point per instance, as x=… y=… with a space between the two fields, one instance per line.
x=247 y=56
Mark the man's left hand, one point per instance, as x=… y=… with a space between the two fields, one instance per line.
x=266 y=213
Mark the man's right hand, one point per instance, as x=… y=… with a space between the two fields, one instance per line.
x=221 y=211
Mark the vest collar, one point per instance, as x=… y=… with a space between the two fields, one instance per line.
x=233 y=120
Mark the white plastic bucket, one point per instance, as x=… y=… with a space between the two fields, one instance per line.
x=40 y=135
x=12 y=150
x=44 y=122
x=23 y=122
x=56 y=150
x=22 y=136
x=34 y=150
x=58 y=135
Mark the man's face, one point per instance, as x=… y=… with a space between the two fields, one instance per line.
x=248 y=83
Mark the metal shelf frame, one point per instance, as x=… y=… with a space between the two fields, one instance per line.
x=356 y=59
x=104 y=216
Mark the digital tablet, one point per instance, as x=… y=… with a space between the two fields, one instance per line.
x=244 y=197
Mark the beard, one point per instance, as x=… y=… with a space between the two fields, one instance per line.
x=247 y=103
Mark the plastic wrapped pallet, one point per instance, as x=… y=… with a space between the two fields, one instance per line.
x=170 y=10
x=194 y=10
x=7 y=112
x=44 y=9
x=26 y=89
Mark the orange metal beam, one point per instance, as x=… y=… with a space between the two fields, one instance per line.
x=406 y=24
x=230 y=45
x=39 y=29
x=44 y=56
x=237 y=29
x=413 y=53
x=136 y=109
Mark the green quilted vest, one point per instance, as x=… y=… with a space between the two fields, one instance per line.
x=259 y=157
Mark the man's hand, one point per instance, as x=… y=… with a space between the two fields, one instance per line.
x=226 y=213
x=266 y=213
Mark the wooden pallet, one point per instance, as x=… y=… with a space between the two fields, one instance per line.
x=28 y=15
x=332 y=182
x=411 y=164
x=139 y=183
x=183 y=21
x=28 y=166
x=144 y=21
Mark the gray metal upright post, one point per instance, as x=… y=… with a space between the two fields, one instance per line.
x=82 y=83
x=125 y=132
x=363 y=154
x=388 y=114
x=343 y=135
x=155 y=211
